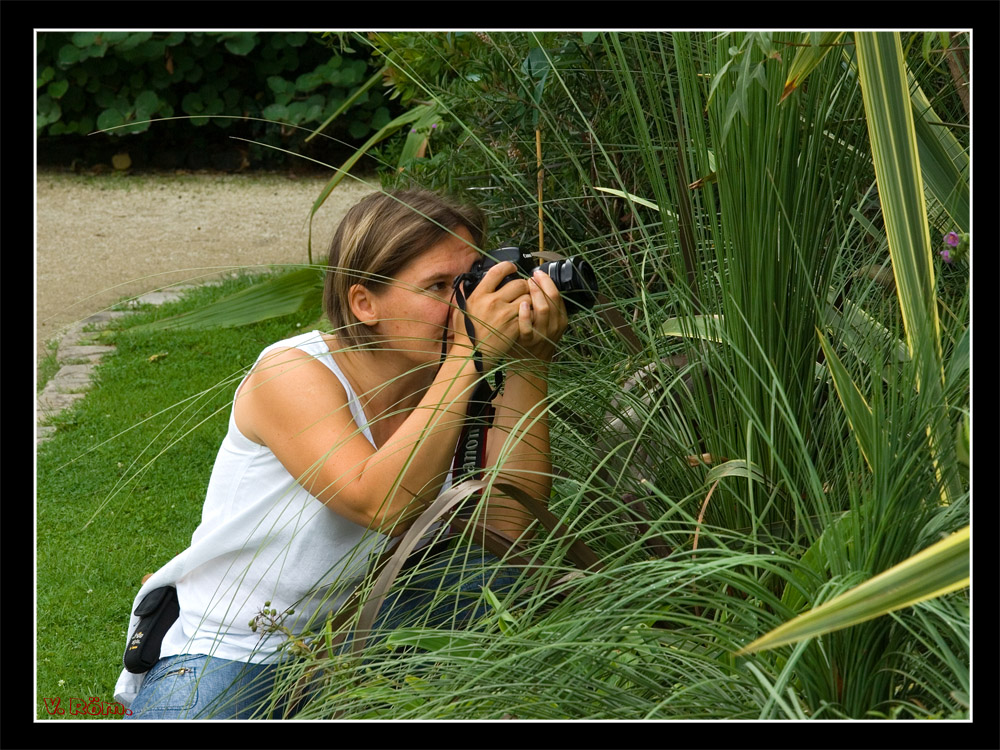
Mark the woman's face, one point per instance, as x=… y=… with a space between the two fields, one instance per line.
x=414 y=311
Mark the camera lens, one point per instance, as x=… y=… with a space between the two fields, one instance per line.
x=576 y=281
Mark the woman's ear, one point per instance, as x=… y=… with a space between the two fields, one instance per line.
x=363 y=304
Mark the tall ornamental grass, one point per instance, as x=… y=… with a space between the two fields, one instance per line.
x=760 y=414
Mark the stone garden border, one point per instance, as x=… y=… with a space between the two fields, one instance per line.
x=79 y=352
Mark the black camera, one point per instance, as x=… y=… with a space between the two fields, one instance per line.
x=574 y=277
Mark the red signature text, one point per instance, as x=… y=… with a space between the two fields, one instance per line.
x=92 y=707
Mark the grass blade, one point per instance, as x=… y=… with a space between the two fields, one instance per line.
x=859 y=413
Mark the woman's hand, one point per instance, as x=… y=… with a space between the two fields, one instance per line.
x=494 y=313
x=543 y=320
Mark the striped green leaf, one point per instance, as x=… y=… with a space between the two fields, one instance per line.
x=944 y=164
x=892 y=134
x=941 y=568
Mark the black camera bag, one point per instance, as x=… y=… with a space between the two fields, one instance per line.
x=156 y=612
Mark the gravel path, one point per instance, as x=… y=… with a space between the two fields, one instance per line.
x=101 y=238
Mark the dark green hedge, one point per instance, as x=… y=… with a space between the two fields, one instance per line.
x=90 y=81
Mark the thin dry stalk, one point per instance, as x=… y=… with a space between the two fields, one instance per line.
x=701 y=515
x=697 y=531
x=538 y=160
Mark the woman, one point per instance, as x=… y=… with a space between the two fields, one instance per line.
x=339 y=441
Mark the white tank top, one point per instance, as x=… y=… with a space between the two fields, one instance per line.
x=262 y=538
x=267 y=540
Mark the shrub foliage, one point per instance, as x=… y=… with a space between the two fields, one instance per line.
x=93 y=81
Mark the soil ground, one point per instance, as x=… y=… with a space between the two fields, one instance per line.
x=100 y=238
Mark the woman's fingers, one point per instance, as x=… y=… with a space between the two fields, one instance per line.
x=525 y=322
x=492 y=279
x=527 y=312
x=551 y=317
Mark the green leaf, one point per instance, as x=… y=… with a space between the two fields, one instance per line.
x=114 y=37
x=418 y=134
x=455 y=644
x=358 y=128
x=134 y=39
x=56 y=89
x=48 y=111
x=146 y=104
x=859 y=414
x=817 y=563
x=272 y=298
x=708 y=327
x=958 y=365
x=940 y=569
x=241 y=44
x=944 y=164
x=736 y=468
x=631 y=197
x=808 y=57
x=296 y=112
x=308 y=81
x=717 y=78
x=192 y=103
x=314 y=110
x=864 y=337
x=46 y=75
x=738 y=99
x=278 y=112
x=892 y=134
x=381 y=118
x=150 y=51
x=279 y=85
x=68 y=55
x=83 y=38
x=110 y=118
x=962 y=440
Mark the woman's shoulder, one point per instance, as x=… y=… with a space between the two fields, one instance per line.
x=312 y=345
x=290 y=376
x=314 y=342
x=290 y=354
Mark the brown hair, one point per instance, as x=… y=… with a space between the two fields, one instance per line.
x=380 y=235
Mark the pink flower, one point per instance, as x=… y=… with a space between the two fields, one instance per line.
x=952 y=239
x=945 y=256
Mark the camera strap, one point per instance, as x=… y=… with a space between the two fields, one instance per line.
x=470 y=454
x=458 y=295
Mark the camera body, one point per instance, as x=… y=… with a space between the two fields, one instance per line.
x=574 y=277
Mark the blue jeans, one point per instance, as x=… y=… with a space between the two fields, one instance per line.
x=195 y=686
